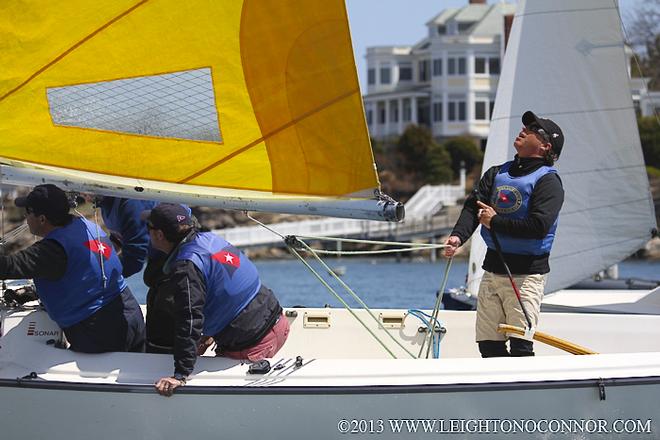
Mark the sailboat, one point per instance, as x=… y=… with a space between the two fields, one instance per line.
x=282 y=128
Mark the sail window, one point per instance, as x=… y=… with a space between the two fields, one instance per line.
x=178 y=105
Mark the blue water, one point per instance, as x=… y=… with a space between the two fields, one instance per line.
x=380 y=283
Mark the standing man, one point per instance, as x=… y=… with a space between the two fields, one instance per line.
x=218 y=297
x=519 y=201
x=77 y=276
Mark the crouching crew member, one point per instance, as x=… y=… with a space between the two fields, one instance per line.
x=218 y=296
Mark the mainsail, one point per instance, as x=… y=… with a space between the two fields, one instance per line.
x=210 y=102
x=565 y=60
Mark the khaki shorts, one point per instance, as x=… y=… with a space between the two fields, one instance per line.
x=497 y=304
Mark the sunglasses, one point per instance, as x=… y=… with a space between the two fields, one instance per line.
x=536 y=128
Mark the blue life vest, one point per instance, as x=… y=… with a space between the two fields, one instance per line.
x=510 y=198
x=81 y=291
x=231 y=279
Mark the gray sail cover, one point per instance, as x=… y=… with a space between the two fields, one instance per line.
x=565 y=61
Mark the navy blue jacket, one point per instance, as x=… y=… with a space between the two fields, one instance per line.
x=122 y=218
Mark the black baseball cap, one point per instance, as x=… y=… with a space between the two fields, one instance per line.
x=167 y=217
x=48 y=200
x=550 y=127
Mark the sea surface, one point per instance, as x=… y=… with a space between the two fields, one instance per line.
x=379 y=283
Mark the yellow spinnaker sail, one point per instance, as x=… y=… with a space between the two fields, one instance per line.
x=255 y=95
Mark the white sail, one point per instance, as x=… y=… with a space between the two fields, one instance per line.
x=565 y=61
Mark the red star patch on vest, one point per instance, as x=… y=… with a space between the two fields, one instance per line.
x=98 y=247
x=227 y=258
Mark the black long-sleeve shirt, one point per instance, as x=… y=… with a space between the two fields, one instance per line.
x=44 y=259
x=545 y=203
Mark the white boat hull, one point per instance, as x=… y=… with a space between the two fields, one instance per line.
x=346 y=382
x=78 y=412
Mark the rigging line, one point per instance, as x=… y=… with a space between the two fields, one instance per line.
x=255 y=142
x=381 y=251
x=14 y=233
x=71 y=49
x=356 y=297
x=264 y=226
x=98 y=239
x=436 y=308
x=355 y=240
x=346 y=306
x=637 y=63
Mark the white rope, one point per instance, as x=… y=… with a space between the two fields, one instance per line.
x=98 y=243
x=380 y=251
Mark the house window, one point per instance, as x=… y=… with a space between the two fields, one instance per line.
x=461 y=66
x=494 y=66
x=442 y=29
x=405 y=72
x=369 y=116
x=437 y=67
x=456 y=110
x=371 y=75
x=424 y=70
x=462 y=27
x=381 y=115
x=480 y=65
x=480 y=111
x=394 y=111
x=385 y=75
x=487 y=65
x=407 y=110
x=456 y=66
x=437 y=111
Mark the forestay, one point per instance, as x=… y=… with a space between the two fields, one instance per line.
x=565 y=61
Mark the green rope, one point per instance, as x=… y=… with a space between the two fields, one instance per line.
x=436 y=308
x=357 y=298
x=327 y=286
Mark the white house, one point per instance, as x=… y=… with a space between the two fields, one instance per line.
x=448 y=80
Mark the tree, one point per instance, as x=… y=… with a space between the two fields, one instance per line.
x=413 y=146
x=438 y=165
x=649 y=135
x=463 y=149
x=644 y=35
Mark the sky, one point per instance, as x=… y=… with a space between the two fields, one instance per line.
x=402 y=22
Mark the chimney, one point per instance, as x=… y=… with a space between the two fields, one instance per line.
x=508 y=23
x=477 y=2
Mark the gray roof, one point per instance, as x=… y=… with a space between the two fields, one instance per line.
x=487 y=19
